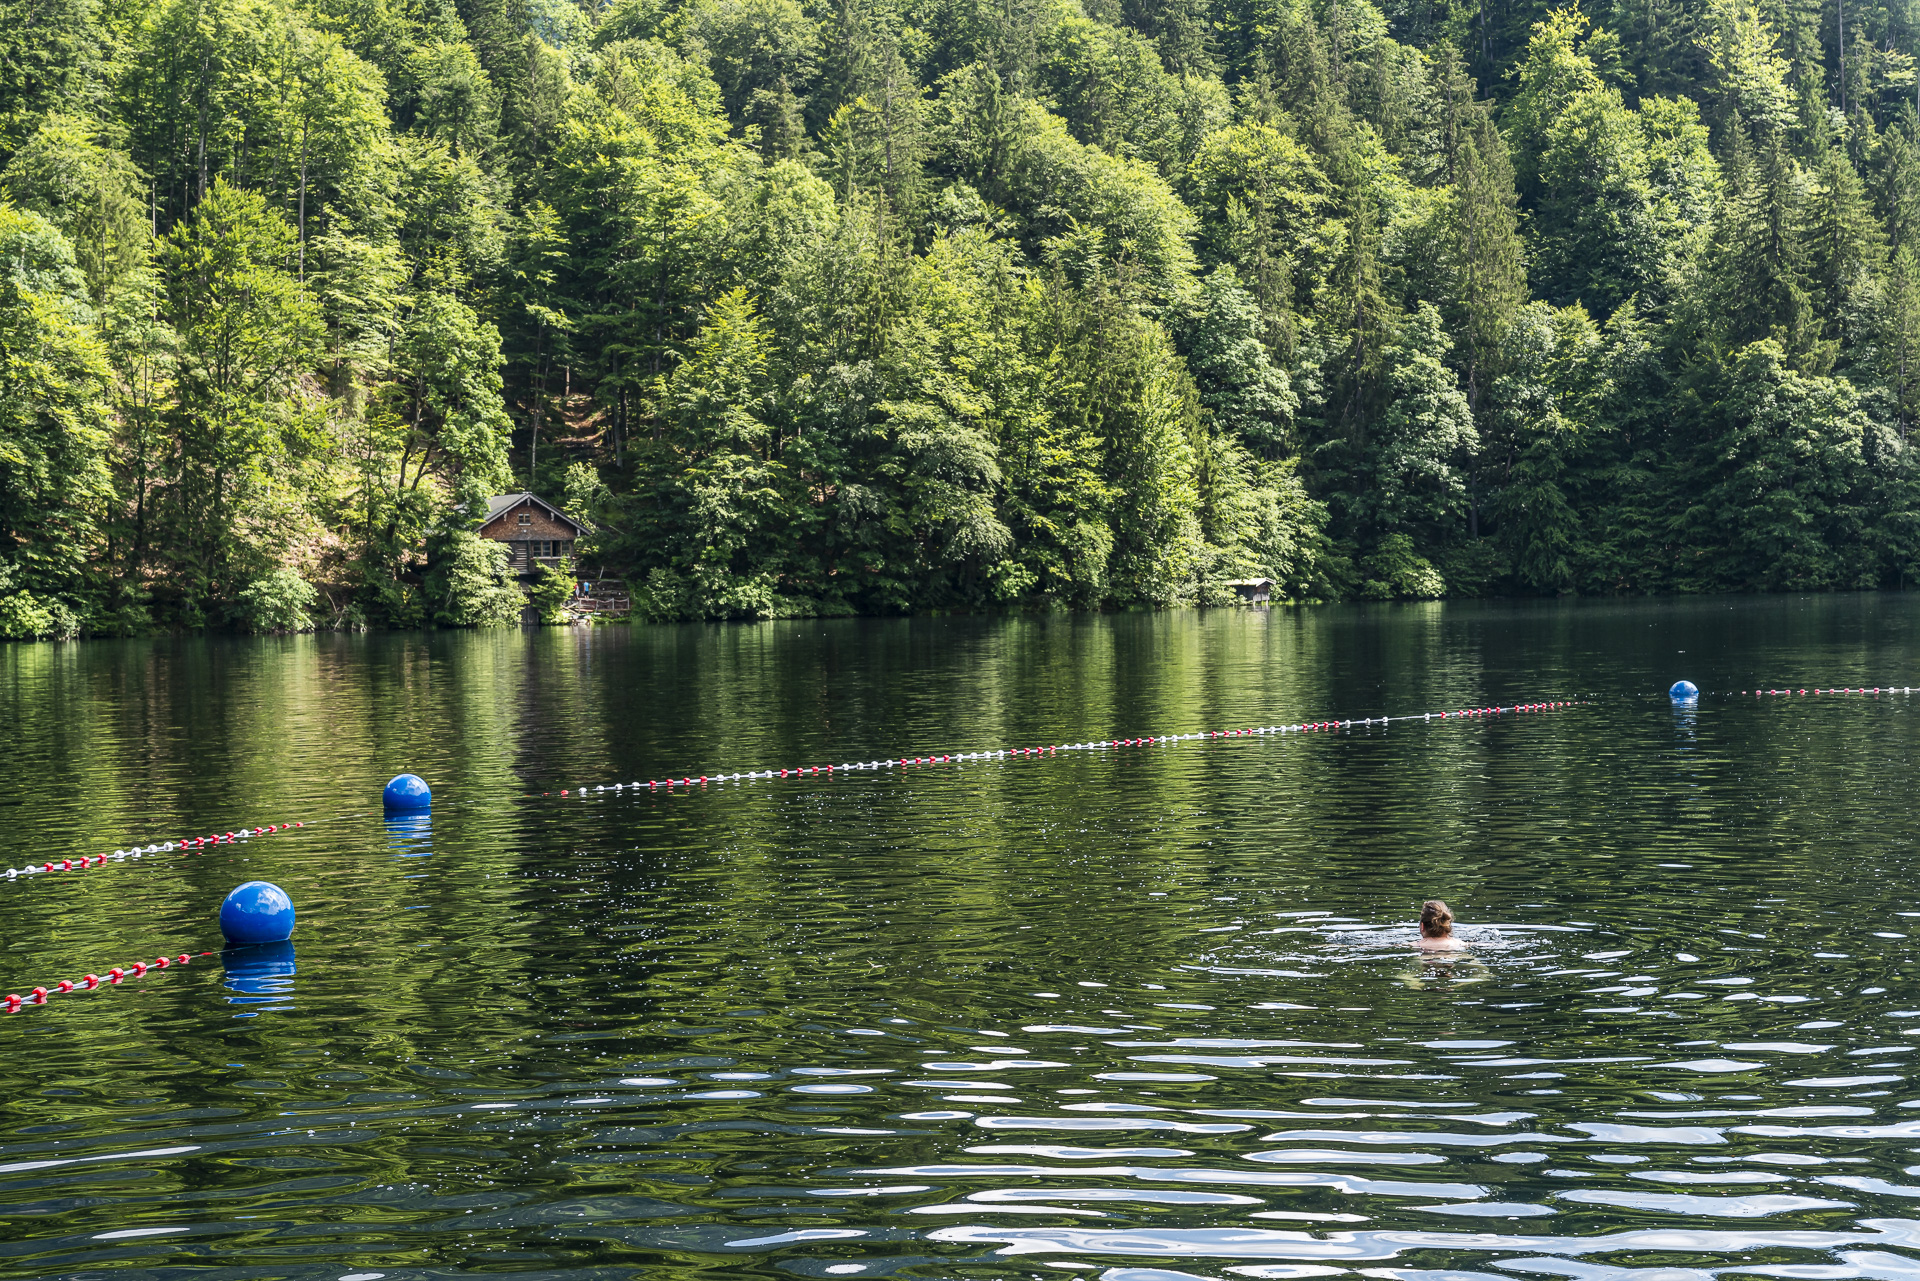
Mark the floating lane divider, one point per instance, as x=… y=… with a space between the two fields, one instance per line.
x=252 y=914
x=1793 y=690
x=13 y=1001
x=185 y=845
x=1877 y=689
x=1097 y=745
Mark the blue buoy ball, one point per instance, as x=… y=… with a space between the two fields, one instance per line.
x=257 y=912
x=408 y=792
x=1683 y=692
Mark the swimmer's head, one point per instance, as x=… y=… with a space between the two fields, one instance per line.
x=1436 y=919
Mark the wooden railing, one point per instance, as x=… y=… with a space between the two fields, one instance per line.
x=602 y=599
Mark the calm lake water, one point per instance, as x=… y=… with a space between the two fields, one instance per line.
x=1140 y=1015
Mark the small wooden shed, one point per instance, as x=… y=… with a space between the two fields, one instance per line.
x=537 y=532
x=1252 y=591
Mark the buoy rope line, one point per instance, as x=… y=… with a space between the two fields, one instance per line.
x=1877 y=689
x=185 y=845
x=1097 y=745
x=13 y=1001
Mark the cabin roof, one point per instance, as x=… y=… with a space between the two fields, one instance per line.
x=500 y=504
x=1249 y=582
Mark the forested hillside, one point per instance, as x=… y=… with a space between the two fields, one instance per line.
x=869 y=306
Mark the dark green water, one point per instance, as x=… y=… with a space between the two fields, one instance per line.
x=1141 y=1015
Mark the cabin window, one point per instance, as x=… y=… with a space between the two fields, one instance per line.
x=526 y=518
x=542 y=549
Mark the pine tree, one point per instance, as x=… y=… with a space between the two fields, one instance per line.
x=1489 y=259
x=1900 y=335
x=1896 y=181
x=1361 y=321
x=1846 y=247
x=1759 y=258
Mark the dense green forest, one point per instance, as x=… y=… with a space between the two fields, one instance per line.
x=870 y=306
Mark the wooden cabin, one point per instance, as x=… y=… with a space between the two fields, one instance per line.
x=1253 y=591
x=537 y=532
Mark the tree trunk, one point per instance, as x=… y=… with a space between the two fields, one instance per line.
x=203 y=129
x=1840 y=38
x=539 y=411
x=305 y=125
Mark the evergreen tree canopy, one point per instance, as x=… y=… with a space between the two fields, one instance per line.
x=868 y=306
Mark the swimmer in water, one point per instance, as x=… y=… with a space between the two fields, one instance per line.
x=1436 y=928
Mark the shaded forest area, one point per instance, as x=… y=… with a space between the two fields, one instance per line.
x=874 y=306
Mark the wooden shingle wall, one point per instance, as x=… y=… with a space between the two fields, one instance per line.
x=506 y=527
